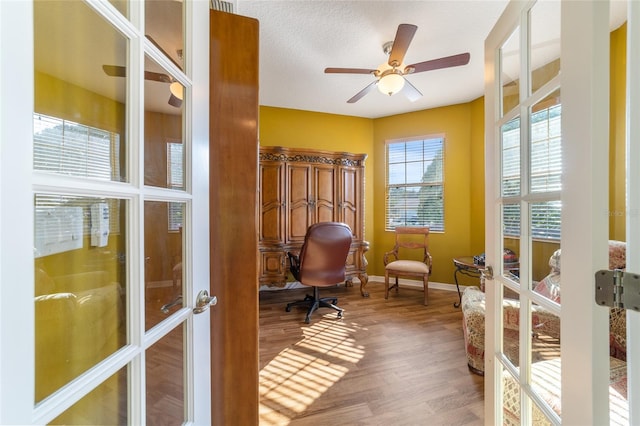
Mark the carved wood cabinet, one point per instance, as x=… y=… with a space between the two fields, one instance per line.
x=300 y=187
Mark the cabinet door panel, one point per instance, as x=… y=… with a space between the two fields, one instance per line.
x=272 y=267
x=325 y=193
x=350 y=195
x=272 y=203
x=299 y=212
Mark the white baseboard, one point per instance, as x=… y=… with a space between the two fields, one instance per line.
x=375 y=279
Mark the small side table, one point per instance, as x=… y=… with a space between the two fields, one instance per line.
x=465 y=266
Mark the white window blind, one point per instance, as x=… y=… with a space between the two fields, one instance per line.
x=73 y=149
x=545 y=172
x=175 y=165
x=175 y=180
x=415 y=193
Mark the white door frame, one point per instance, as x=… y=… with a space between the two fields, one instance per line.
x=17 y=226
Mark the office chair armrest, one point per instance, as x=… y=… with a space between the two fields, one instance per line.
x=294 y=265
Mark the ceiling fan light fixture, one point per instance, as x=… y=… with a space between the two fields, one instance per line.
x=177 y=90
x=391 y=83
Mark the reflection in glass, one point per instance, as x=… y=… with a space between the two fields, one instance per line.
x=511 y=399
x=164 y=27
x=80 y=286
x=510 y=72
x=163 y=127
x=165 y=379
x=510 y=139
x=80 y=110
x=546 y=144
x=546 y=269
x=163 y=251
x=122 y=6
x=544 y=46
x=105 y=405
x=545 y=355
x=511 y=323
x=511 y=242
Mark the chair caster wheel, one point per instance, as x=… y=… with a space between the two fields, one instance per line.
x=288 y=308
x=339 y=315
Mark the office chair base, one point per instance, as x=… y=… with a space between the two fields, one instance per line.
x=314 y=302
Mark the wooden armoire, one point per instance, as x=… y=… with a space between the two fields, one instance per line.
x=300 y=187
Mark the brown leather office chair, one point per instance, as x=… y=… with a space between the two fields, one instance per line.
x=396 y=263
x=321 y=263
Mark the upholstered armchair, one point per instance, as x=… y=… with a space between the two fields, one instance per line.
x=396 y=263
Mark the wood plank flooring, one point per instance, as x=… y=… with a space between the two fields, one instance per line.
x=387 y=362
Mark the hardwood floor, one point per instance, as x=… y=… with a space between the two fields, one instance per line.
x=386 y=362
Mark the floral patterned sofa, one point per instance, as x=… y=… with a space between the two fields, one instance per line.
x=546 y=372
x=544 y=322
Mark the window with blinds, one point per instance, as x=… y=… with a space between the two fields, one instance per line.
x=414 y=185
x=544 y=175
x=73 y=149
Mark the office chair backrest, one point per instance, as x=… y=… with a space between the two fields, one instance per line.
x=324 y=254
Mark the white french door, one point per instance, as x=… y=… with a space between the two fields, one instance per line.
x=104 y=212
x=547 y=96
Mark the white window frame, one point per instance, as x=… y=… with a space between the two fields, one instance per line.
x=407 y=217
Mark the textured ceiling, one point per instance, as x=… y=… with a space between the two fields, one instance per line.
x=299 y=39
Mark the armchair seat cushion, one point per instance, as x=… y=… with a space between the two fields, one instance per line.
x=410 y=266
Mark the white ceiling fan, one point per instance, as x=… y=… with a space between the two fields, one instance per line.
x=390 y=76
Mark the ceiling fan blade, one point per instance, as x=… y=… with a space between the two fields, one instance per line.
x=410 y=91
x=434 y=64
x=174 y=101
x=404 y=35
x=348 y=71
x=118 y=71
x=156 y=76
x=361 y=93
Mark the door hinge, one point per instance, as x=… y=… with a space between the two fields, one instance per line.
x=618 y=289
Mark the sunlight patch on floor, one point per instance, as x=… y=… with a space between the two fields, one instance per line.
x=301 y=373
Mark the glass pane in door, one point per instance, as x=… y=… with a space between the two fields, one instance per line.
x=165 y=376
x=80 y=87
x=510 y=72
x=163 y=251
x=510 y=138
x=511 y=399
x=544 y=49
x=80 y=286
x=545 y=166
x=105 y=405
x=511 y=241
x=546 y=366
x=164 y=28
x=163 y=128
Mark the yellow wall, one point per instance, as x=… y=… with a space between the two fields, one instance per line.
x=617 y=137
x=464 y=212
x=331 y=132
x=463 y=126
x=455 y=123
